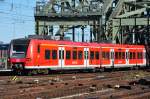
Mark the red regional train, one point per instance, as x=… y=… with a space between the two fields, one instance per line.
x=36 y=54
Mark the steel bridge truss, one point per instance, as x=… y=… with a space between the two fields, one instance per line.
x=71 y=14
x=116 y=21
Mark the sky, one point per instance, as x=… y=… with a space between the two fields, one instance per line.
x=16 y=19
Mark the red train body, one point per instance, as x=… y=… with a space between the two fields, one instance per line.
x=56 y=55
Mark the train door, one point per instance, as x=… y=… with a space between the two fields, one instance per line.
x=112 y=57
x=127 y=57
x=86 y=59
x=61 y=57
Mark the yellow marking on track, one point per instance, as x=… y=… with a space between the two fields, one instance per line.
x=14 y=78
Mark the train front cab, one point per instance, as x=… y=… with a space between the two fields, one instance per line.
x=18 y=51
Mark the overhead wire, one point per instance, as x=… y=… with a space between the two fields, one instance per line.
x=12 y=4
x=13 y=15
x=2 y=12
x=22 y=17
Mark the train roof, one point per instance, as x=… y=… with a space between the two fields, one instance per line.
x=71 y=43
x=20 y=41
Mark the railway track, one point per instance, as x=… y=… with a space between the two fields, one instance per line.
x=70 y=85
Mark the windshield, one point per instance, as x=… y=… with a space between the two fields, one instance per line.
x=19 y=51
x=19 y=48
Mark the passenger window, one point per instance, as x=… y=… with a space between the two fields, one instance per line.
x=130 y=55
x=120 y=55
x=144 y=55
x=74 y=54
x=80 y=55
x=97 y=55
x=141 y=55
x=47 y=54
x=138 y=55
x=92 y=55
x=103 y=55
x=134 y=55
x=107 y=55
x=54 y=54
x=38 y=48
x=68 y=54
x=116 y=55
x=123 y=55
